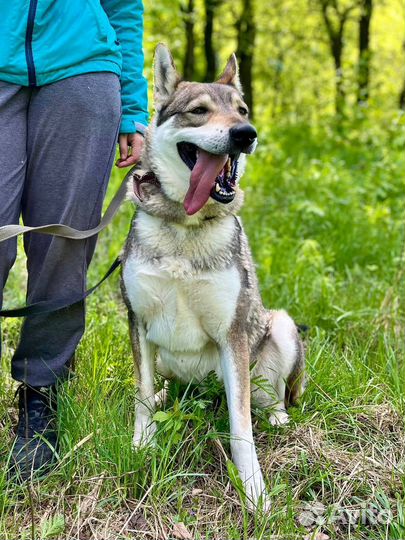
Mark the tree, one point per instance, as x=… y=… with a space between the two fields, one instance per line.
x=402 y=98
x=210 y=54
x=335 y=18
x=364 y=51
x=189 y=53
x=401 y=101
x=246 y=34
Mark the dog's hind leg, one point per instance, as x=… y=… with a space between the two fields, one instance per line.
x=161 y=396
x=279 y=415
x=279 y=368
x=268 y=391
x=235 y=369
x=144 y=360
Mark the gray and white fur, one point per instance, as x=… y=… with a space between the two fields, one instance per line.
x=189 y=282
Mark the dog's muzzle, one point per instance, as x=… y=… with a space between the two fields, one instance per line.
x=215 y=173
x=243 y=138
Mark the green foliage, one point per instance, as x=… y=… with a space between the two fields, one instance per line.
x=324 y=214
x=294 y=75
x=52 y=527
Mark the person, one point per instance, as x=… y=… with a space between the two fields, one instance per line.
x=71 y=86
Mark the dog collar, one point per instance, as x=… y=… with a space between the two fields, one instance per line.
x=140 y=177
x=148 y=177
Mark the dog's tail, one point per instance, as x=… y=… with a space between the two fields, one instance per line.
x=296 y=380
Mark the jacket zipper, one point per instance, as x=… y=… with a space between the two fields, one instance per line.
x=32 y=77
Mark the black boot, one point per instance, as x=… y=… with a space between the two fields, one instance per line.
x=36 y=438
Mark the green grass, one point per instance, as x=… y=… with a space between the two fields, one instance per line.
x=324 y=213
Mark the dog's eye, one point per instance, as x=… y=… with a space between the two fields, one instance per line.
x=199 y=110
x=243 y=111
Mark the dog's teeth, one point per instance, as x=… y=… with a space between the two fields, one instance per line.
x=217 y=188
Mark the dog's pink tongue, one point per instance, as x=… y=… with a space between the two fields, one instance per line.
x=203 y=175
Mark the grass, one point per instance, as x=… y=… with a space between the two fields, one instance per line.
x=324 y=213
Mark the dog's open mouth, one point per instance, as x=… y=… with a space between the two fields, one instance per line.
x=211 y=175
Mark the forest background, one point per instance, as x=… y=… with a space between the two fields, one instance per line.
x=302 y=60
x=324 y=213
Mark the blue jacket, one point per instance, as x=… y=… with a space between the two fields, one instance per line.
x=43 y=41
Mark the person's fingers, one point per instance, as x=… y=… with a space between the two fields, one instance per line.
x=123 y=146
x=131 y=160
x=137 y=146
x=135 y=141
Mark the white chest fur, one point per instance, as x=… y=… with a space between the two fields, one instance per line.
x=181 y=313
x=185 y=311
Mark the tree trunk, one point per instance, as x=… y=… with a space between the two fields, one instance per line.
x=402 y=98
x=401 y=101
x=189 y=54
x=364 y=51
x=335 y=34
x=246 y=29
x=337 y=51
x=277 y=82
x=210 y=56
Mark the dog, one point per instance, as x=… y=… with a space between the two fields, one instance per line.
x=188 y=279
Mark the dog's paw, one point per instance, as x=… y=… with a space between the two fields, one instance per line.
x=143 y=434
x=265 y=503
x=279 y=418
x=257 y=499
x=262 y=504
x=161 y=396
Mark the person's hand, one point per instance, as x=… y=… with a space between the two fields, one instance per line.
x=131 y=145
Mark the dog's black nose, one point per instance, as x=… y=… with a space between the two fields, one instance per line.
x=243 y=136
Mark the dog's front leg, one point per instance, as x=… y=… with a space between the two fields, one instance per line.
x=235 y=369
x=144 y=359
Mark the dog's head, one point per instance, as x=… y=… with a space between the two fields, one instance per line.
x=199 y=135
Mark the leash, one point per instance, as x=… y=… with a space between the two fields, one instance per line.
x=57 y=229
x=50 y=306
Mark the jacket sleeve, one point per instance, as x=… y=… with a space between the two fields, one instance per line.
x=126 y=17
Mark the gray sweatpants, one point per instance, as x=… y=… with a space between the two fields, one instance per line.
x=57 y=146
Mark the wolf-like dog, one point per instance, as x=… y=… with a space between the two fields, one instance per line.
x=188 y=279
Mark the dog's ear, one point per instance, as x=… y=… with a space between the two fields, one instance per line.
x=230 y=74
x=166 y=77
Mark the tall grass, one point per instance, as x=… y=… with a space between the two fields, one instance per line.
x=324 y=213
